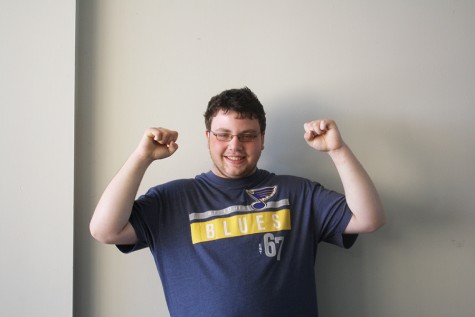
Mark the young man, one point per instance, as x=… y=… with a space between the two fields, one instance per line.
x=237 y=240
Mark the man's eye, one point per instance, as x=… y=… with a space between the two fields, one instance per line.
x=248 y=137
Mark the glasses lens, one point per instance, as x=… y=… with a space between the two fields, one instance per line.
x=226 y=137
x=223 y=136
x=247 y=137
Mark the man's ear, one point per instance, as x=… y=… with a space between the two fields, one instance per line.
x=207 y=136
x=263 y=137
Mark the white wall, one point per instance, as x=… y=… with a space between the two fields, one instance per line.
x=397 y=76
x=37 y=45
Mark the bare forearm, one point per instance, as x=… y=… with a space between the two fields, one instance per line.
x=361 y=194
x=115 y=206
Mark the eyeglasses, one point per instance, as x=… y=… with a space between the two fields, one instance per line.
x=227 y=137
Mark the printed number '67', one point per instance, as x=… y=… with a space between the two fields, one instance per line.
x=273 y=245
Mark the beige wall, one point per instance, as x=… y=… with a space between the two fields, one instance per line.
x=396 y=75
x=37 y=48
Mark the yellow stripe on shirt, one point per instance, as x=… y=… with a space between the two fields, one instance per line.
x=240 y=225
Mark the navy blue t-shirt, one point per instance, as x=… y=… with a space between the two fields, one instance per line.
x=239 y=247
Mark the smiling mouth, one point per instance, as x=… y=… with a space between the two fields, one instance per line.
x=235 y=158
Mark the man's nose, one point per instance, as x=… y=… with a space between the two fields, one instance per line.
x=235 y=144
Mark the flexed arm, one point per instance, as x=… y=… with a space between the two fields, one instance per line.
x=110 y=222
x=360 y=192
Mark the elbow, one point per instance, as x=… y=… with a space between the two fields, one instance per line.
x=375 y=224
x=106 y=234
x=99 y=235
x=367 y=225
x=94 y=232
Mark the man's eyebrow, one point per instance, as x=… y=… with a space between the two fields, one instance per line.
x=223 y=130
x=249 y=131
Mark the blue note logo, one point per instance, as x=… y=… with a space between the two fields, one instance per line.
x=261 y=195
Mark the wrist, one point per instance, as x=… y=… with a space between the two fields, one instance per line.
x=140 y=159
x=340 y=154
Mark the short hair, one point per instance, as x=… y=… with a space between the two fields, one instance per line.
x=243 y=101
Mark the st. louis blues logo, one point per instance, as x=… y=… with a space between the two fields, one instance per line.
x=261 y=195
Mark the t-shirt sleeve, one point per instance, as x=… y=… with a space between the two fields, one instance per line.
x=144 y=220
x=332 y=218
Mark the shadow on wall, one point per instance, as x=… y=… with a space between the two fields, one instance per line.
x=85 y=144
x=407 y=165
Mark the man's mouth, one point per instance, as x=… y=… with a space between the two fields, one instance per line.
x=235 y=158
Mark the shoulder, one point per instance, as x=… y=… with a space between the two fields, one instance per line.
x=293 y=180
x=172 y=186
x=291 y=183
